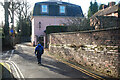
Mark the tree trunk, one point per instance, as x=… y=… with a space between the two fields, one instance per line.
x=6 y=26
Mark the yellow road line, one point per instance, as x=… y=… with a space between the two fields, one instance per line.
x=8 y=66
x=1 y=63
x=80 y=69
x=84 y=71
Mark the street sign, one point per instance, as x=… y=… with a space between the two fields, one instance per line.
x=11 y=30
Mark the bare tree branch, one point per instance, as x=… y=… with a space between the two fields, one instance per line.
x=2 y=4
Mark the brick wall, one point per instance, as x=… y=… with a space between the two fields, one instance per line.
x=99 y=50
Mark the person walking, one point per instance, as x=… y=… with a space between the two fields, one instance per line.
x=39 y=50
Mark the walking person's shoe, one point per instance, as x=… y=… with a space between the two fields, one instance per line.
x=39 y=63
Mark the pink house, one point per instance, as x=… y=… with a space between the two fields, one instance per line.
x=51 y=13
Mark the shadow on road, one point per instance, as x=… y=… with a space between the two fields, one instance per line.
x=6 y=48
x=53 y=65
x=52 y=68
x=61 y=68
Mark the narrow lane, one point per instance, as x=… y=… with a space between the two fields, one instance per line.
x=25 y=59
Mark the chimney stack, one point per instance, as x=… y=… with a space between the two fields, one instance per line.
x=111 y=4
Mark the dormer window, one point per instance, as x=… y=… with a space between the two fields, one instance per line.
x=44 y=9
x=62 y=9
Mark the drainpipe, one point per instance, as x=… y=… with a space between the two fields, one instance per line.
x=55 y=20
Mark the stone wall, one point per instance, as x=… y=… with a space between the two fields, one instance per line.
x=99 y=50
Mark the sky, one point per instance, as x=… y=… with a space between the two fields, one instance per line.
x=83 y=3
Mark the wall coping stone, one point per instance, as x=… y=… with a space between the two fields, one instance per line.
x=88 y=31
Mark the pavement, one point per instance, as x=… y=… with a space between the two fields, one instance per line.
x=27 y=43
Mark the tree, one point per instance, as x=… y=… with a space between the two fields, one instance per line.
x=24 y=23
x=14 y=5
x=6 y=26
x=95 y=7
x=92 y=9
x=9 y=8
x=24 y=27
x=100 y=7
x=77 y=24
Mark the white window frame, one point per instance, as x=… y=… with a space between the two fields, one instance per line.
x=44 y=9
x=62 y=9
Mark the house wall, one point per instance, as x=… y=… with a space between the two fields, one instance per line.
x=98 y=50
x=33 y=31
x=112 y=14
x=45 y=21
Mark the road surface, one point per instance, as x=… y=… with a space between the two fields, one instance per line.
x=23 y=65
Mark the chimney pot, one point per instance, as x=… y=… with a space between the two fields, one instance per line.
x=111 y=4
x=104 y=6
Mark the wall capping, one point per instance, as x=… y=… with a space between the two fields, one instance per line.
x=89 y=31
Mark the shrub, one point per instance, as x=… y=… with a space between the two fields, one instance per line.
x=55 y=29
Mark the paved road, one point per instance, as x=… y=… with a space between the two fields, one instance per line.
x=23 y=63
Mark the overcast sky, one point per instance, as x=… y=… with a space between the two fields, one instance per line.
x=83 y=3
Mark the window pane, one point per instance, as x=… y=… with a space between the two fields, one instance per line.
x=44 y=8
x=62 y=9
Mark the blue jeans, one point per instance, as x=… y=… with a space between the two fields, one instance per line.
x=39 y=58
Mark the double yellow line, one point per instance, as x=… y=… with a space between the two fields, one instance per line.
x=83 y=71
x=80 y=69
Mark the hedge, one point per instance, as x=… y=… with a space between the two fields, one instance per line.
x=55 y=29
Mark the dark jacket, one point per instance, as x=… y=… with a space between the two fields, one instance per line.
x=39 y=49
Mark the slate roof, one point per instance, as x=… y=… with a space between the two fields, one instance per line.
x=72 y=10
x=108 y=10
